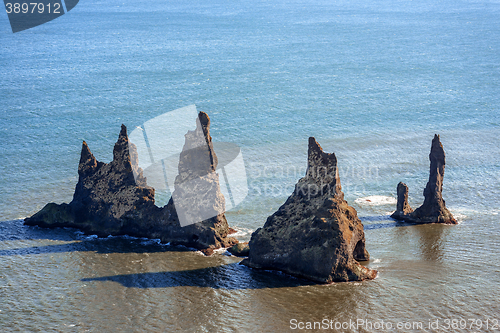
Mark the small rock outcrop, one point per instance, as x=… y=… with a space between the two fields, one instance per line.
x=240 y=250
x=403 y=207
x=433 y=210
x=114 y=199
x=315 y=234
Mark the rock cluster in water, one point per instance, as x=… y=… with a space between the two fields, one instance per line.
x=315 y=234
x=114 y=199
x=433 y=210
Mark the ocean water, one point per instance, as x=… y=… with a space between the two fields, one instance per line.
x=371 y=81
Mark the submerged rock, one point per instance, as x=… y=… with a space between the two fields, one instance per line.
x=433 y=210
x=315 y=234
x=114 y=199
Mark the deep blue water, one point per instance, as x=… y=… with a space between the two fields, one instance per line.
x=375 y=77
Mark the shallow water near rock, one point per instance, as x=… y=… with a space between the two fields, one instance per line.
x=372 y=82
x=58 y=279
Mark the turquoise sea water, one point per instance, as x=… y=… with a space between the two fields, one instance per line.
x=372 y=81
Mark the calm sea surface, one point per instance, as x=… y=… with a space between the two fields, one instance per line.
x=373 y=81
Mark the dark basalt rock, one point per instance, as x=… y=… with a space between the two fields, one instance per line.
x=197 y=194
x=403 y=207
x=315 y=234
x=114 y=199
x=433 y=210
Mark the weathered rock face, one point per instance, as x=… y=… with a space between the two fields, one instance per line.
x=403 y=207
x=114 y=199
x=433 y=210
x=315 y=234
x=197 y=194
x=107 y=195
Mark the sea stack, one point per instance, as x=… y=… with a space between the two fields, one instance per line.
x=433 y=210
x=403 y=207
x=197 y=193
x=114 y=198
x=315 y=234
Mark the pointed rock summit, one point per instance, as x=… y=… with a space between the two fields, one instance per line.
x=197 y=194
x=433 y=210
x=107 y=194
x=315 y=234
x=114 y=199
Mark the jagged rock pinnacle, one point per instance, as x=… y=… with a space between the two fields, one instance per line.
x=114 y=199
x=433 y=210
x=315 y=234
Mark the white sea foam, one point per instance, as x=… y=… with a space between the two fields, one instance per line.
x=376 y=200
x=222 y=250
x=459 y=216
x=241 y=232
x=148 y=241
x=128 y=237
x=462 y=213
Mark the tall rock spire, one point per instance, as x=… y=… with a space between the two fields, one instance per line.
x=315 y=234
x=403 y=207
x=109 y=200
x=88 y=163
x=197 y=195
x=433 y=210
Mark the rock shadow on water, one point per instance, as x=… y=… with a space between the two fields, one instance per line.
x=389 y=222
x=430 y=240
x=76 y=242
x=15 y=230
x=231 y=277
